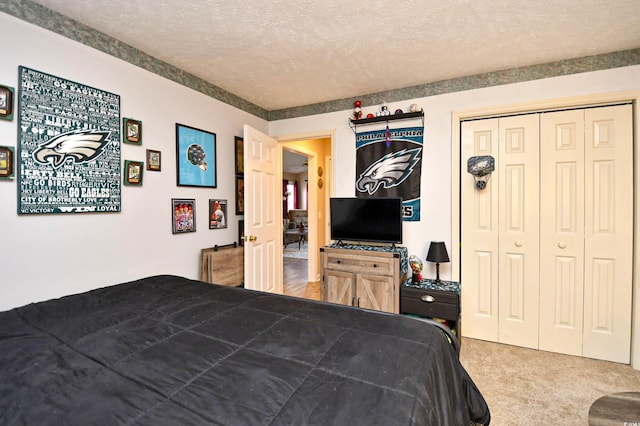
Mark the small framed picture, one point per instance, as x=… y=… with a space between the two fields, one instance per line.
x=195 y=157
x=6 y=162
x=239 y=195
x=217 y=214
x=154 y=162
x=6 y=102
x=241 y=233
x=133 y=172
x=132 y=131
x=183 y=213
x=239 y=156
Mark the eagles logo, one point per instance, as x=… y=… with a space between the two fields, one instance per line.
x=389 y=171
x=80 y=146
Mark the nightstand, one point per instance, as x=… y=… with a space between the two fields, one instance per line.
x=433 y=300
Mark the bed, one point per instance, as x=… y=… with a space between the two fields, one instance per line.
x=169 y=350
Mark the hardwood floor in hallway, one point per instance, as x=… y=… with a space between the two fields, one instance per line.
x=295 y=280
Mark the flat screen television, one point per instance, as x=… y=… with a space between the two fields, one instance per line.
x=366 y=219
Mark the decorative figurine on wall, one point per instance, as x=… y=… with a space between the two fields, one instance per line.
x=384 y=110
x=357 y=110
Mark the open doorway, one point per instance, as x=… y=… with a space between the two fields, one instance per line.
x=295 y=196
x=305 y=191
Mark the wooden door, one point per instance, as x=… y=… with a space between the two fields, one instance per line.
x=262 y=212
x=562 y=214
x=376 y=292
x=585 y=220
x=479 y=222
x=338 y=287
x=518 y=229
x=608 y=233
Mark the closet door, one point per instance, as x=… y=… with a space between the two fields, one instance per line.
x=608 y=233
x=586 y=232
x=519 y=237
x=479 y=223
x=547 y=246
x=562 y=231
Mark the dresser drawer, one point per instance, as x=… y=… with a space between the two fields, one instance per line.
x=359 y=264
x=429 y=303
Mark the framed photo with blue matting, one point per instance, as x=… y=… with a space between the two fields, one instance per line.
x=195 y=157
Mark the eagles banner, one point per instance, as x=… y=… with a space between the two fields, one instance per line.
x=69 y=146
x=389 y=165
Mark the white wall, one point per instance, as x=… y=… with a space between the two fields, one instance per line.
x=436 y=217
x=45 y=256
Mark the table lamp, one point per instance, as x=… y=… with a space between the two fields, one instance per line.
x=438 y=254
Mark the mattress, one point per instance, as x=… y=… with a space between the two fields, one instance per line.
x=169 y=350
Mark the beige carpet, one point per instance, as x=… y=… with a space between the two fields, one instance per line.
x=528 y=387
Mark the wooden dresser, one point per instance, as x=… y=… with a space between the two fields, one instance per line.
x=363 y=276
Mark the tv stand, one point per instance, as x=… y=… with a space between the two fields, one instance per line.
x=363 y=276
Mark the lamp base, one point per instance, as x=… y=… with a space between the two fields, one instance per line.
x=437 y=272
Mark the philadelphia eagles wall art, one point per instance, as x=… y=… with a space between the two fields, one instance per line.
x=389 y=164
x=69 y=146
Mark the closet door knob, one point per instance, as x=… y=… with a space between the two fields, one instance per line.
x=518 y=243
x=562 y=245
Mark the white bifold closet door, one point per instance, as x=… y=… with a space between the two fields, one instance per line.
x=547 y=245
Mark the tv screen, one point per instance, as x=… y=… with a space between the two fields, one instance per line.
x=366 y=219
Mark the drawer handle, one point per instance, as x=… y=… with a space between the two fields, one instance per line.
x=428 y=298
x=375 y=265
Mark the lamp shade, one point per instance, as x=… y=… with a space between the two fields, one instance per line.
x=437 y=252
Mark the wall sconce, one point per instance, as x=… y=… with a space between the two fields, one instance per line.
x=438 y=254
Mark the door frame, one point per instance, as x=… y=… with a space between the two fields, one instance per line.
x=543 y=105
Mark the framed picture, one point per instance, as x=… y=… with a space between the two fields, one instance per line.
x=133 y=172
x=239 y=156
x=132 y=131
x=154 y=162
x=217 y=214
x=241 y=233
x=80 y=154
x=6 y=102
x=195 y=157
x=183 y=213
x=239 y=195
x=6 y=162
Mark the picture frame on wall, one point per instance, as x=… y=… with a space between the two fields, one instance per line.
x=183 y=214
x=241 y=233
x=6 y=162
x=154 y=160
x=239 y=145
x=239 y=195
x=6 y=102
x=132 y=131
x=195 y=157
x=133 y=171
x=217 y=214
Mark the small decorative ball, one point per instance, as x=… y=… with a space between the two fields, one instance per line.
x=398 y=111
x=413 y=108
x=369 y=115
x=357 y=104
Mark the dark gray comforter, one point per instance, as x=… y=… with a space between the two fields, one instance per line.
x=166 y=350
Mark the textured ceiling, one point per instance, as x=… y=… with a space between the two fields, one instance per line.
x=279 y=54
